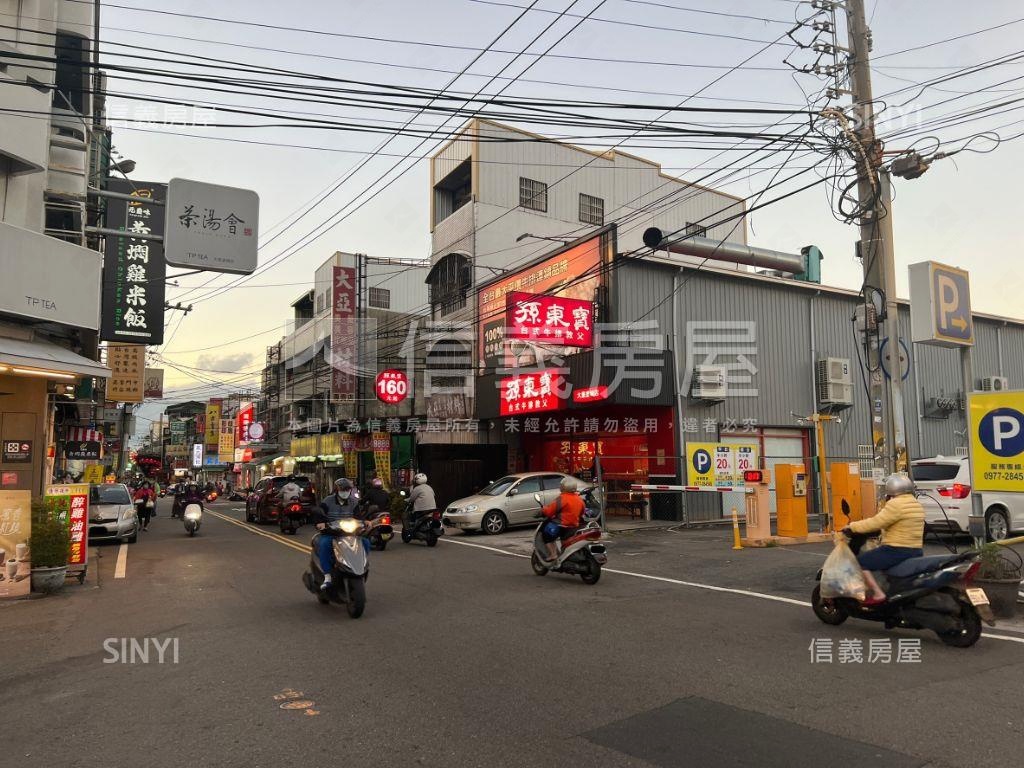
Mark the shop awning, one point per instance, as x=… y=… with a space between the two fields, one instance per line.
x=41 y=357
x=265 y=460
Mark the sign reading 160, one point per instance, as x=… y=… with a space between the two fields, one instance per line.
x=392 y=386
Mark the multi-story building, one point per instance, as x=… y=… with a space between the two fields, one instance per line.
x=50 y=287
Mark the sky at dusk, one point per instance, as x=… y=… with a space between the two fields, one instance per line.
x=963 y=211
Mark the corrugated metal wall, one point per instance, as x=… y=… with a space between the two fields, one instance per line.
x=781 y=312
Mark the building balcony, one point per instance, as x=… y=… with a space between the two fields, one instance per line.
x=454 y=233
x=22 y=140
x=68 y=171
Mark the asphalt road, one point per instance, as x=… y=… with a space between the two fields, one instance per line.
x=465 y=658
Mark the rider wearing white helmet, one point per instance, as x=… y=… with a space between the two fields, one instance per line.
x=421 y=496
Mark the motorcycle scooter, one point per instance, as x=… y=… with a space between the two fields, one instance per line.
x=425 y=528
x=921 y=593
x=193 y=517
x=351 y=567
x=379 y=529
x=582 y=554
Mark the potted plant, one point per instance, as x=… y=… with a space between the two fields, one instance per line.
x=48 y=545
x=1000 y=577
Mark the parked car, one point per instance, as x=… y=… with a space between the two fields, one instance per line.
x=263 y=504
x=505 y=503
x=947 y=480
x=112 y=515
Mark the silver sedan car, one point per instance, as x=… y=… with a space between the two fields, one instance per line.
x=112 y=515
x=506 y=503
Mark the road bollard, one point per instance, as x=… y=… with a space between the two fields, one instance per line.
x=736 y=530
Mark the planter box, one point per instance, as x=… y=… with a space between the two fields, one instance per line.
x=49 y=580
x=1002 y=594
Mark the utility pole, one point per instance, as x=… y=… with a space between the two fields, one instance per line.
x=888 y=429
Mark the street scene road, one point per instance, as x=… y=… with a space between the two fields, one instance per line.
x=464 y=657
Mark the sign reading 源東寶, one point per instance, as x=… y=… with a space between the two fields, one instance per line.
x=134 y=270
x=71 y=504
x=153 y=386
x=392 y=386
x=572 y=274
x=15 y=529
x=127 y=363
x=343 y=334
x=211 y=227
x=213 y=411
x=532 y=392
x=719 y=465
x=940 y=305
x=997 y=440
x=550 y=319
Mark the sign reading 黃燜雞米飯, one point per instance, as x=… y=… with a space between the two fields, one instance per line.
x=134 y=270
x=550 y=319
x=211 y=227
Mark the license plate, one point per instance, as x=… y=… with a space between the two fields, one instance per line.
x=977 y=596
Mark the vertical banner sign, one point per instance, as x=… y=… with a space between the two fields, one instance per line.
x=213 y=411
x=15 y=529
x=177 y=432
x=197 y=455
x=226 y=443
x=154 y=383
x=127 y=363
x=243 y=421
x=343 y=335
x=134 y=269
x=70 y=503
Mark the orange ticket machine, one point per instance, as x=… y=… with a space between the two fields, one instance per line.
x=844 y=479
x=791 y=499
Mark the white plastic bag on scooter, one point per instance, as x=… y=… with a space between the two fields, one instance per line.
x=841 y=576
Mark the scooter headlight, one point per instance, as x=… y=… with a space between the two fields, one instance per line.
x=193 y=514
x=350 y=525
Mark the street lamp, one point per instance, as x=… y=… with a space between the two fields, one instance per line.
x=525 y=235
x=124 y=167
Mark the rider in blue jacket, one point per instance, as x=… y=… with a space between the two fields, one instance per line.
x=340 y=504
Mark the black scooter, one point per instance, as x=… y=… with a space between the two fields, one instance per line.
x=931 y=593
x=420 y=526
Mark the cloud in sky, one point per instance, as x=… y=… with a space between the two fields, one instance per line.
x=238 y=362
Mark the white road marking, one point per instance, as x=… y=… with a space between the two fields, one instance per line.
x=696 y=585
x=122 y=562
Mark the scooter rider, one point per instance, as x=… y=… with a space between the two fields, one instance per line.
x=340 y=504
x=563 y=516
x=421 y=497
x=901 y=521
x=376 y=496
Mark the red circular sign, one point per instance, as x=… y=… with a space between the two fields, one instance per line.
x=392 y=386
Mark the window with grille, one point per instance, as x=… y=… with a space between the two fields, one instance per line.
x=696 y=230
x=591 y=210
x=533 y=194
x=380 y=298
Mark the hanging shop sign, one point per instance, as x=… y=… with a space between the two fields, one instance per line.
x=574 y=273
x=15 y=530
x=392 y=386
x=134 y=270
x=550 y=319
x=87 y=450
x=242 y=422
x=153 y=383
x=343 y=334
x=93 y=474
x=532 y=392
x=226 y=441
x=177 y=429
x=255 y=432
x=718 y=465
x=197 y=455
x=213 y=411
x=127 y=363
x=211 y=227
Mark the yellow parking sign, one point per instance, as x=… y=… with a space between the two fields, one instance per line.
x=997 y=440
x=718 y=465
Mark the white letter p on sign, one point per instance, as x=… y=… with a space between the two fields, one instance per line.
x=1004 y=428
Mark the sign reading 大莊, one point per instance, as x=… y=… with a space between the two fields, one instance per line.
x=211 y=227
x=940 y=305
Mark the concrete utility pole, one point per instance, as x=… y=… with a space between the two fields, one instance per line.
x=888 y=430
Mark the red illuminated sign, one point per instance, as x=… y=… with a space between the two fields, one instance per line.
x=551 y=319
x=590 y=394
x=392 y=386
x=77 y=515
x=531 y=393
x=242 y=423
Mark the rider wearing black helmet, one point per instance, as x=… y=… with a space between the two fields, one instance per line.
x=340 y=504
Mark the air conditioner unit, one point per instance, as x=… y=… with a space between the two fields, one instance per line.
x=708 y=383
x=995 y=384
x=834 y=370
x=835 y=383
